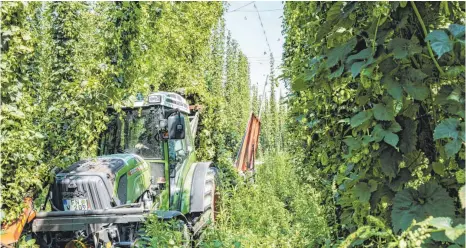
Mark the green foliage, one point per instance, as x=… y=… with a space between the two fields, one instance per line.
x=273 y=115
x=418 y=234
x=429 y=200
x=159 y=233
x=276 y=210
x=375 y=116
x=64 y=63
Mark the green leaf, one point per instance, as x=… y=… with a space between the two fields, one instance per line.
x=417 y=90
x=339 y=53
x=454 y=233
x=336 y=73
x=356 y=68
x=439 y=168
x=462 y=196
x=362 y=55
x=454 y=71
x=378 y=133
x=31 y=242
x=362 y=192
x=401 y=48
x=404 y=175
x=382 y=113
x=403 y=4
x=391 y=139
x=360 y=118
x=452 y=147
x=440 y=222
x=440 y=42
x=395 y=127
x=411 y=110
x=393 y=87
x=415 y=75
x=408 y=139
x=457 y=30
x=352 y=143
x=335 y=11
x=448 y=128
x=389 y=160
x=299 y=83
x=429 y=200
x=312 y=123
x=324 y=158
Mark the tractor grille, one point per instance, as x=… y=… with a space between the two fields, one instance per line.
x=90 y=187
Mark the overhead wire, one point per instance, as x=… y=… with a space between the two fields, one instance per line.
x=265 y=10
x=263 y=29
x=240 y=7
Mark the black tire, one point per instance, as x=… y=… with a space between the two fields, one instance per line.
x=202 y=220
x=210 y=193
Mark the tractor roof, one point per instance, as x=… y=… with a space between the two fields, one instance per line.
x=167 y=99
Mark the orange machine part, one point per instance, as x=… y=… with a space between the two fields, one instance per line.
x=11 y=233
x=247 y=153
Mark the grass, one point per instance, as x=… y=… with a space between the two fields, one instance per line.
x=275 y=210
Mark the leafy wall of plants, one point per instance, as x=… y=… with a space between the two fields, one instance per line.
x=377 y=111
x=63 y=63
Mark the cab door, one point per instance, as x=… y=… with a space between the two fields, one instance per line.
x=181 y=156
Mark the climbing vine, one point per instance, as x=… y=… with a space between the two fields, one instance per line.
x=377 y=107
x=64 y=63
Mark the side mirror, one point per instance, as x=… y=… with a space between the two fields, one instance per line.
x=176 y=127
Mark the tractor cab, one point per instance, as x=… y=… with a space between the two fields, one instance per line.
x=144 y=128
x=160 y=131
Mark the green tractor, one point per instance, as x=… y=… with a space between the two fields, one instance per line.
x=146 y=166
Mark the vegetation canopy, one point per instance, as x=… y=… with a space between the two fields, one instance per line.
x=365 y=150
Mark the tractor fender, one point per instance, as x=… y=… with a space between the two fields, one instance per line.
x=201 y=186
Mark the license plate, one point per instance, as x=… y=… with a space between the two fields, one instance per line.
x=76 y=204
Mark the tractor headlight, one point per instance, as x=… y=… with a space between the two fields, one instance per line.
x=163 y=124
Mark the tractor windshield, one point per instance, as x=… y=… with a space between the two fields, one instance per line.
x=133 y=131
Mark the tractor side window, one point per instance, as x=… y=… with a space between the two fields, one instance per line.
x=189 y=136
x=176 y=148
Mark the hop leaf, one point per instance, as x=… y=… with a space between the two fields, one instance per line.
x=440 y=42
x=393 y=87
x=402 y=48
x=417 y=90
x=389 y=160
x=382 y=113
x=360 y=118
x=429 y=200
x=362 y=192
x=457 y=30
x=339 y=53
x=447 y=129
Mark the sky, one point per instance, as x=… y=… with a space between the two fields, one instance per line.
x=245 y=27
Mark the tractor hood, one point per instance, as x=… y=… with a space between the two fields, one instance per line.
x=101 y=181
x=108 y=165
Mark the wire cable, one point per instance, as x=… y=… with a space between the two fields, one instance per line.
x=240 y=7
x=263 y=29
x=265 y=10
